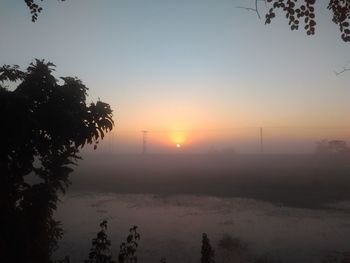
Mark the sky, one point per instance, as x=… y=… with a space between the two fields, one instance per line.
x=200 y=73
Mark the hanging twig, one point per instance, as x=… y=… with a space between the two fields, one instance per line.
x=256 y=9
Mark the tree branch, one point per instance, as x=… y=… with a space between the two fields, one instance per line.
x=256 y=9
x=337 y=73
x=250 y=9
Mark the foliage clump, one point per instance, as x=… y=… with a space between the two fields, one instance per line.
x=45 y=125
x=127 y=252
x=34 y=8
x=100 y=250
x=302 y=14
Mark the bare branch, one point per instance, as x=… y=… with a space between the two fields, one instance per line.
x=250 y=9
x=256 y=9
x=337 y=73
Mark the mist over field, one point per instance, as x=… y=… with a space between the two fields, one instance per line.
x=291 y=207
x=302 y=180
x=209 y=131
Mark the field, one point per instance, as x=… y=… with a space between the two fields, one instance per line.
x=293 y=208
x=309 y=181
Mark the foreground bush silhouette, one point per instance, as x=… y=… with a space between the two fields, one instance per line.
x=127 y=253
x=207 y=251
x=44 y=126
x=100 y=250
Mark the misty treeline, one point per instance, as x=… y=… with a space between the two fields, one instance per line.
x=332 y=147
x=45 y=124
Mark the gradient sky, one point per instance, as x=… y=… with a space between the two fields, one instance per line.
x=198 y=72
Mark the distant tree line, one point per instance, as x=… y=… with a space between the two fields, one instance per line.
x=332 y=147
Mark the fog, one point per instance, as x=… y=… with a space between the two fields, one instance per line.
x=302 y=180
x=289 y=207
x=225 y=120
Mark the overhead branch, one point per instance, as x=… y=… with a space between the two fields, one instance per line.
x=250 y=9
x=254 y=9
x=337 y=73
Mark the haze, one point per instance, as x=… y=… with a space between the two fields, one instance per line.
x=210 y=70
x=223 y=125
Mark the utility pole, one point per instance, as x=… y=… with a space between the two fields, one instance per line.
x=144 y=142
x=261 y=141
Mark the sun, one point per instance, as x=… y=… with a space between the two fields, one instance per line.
x=178 y=145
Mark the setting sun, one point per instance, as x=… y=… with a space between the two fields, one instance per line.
x=177 y=137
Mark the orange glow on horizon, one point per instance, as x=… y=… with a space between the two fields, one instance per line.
x=178 y=137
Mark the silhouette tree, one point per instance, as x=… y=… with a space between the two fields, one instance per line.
x=127 y=252
x=44 y=126
x=100 y=251
x=206 y=251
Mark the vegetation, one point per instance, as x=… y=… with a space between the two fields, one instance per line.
x=100 y=251
x=35 y=8
x=300 y=14
x=332 y=147
x=37 y=154
x=207 y=251
x=38 y=151
x=127 y=253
